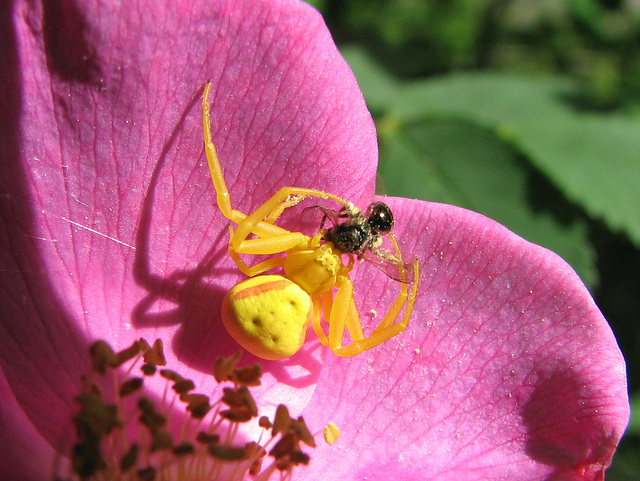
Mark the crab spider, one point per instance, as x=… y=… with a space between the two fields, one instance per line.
x=268 y=315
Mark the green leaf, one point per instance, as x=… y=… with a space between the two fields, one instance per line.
x=634 y=423
x=593 y=159
x=467 y=166
x=424 y=157
x=379 y=88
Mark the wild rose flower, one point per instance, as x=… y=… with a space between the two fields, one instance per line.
x=110 y=231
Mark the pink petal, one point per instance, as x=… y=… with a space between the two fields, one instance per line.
x=110 y=230
x=507 y=370
x=109 y=223
x=25 y=453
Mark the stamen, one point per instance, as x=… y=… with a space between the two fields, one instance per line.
x=122 y=433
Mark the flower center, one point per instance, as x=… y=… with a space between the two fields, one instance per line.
x=123 y=434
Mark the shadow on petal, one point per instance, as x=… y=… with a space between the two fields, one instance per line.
x=565 y=418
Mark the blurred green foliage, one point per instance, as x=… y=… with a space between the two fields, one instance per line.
x=528 y=112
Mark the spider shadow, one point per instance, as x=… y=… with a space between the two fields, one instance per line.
x=192 y=298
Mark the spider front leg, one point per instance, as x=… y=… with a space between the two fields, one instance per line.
x=222 y=192
x=268 y=244
x=267 y=214
x=255 y=269
x=272 y=239
x=223 y=199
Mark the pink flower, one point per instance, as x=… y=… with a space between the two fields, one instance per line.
x=110 y=230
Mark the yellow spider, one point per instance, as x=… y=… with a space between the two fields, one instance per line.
x=269 y=315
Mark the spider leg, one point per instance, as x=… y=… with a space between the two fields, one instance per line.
x=222 y=192
x=317 y=319
x=289 y=202
x=261 y=229
x=258 y=268
x=387 y=328
x=272 y=209
x=341 y=312
x=394 y=311
x=273 y=242
x=261 y=222
x=257 y=234
x=272 y=239
x=344 y=314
